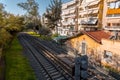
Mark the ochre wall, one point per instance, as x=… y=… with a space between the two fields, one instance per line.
x=90 y=42
x=114 y=47
x=111 y=45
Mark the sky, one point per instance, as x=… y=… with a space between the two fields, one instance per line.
x=11 y=6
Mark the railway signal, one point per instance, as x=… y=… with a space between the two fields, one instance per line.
x=81 y=65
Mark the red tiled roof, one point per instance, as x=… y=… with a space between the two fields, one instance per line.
x=97 y=35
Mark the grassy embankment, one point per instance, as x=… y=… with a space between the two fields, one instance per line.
x=17 y=66
x=43 y=37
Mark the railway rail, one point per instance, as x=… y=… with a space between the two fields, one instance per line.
x=52 y=67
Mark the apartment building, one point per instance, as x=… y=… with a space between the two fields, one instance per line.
x=68 y=18
x=90 y=14
x=81 y=14
x=112 y=15
x=44 y=20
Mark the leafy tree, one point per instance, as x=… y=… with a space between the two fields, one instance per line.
x=14 y=23
x=1 y=14
x=9 y=25
x=2 y=30
x=31 y=8
x=53 y=13
x=44 y=31
x=4 y=37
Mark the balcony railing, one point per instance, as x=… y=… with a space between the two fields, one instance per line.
x=68 y=23
x=113 y=11
x=112 y=28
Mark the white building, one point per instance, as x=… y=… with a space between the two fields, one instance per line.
x=80 y=14
x=68 y=18
x=112 y=15
x=89 y=14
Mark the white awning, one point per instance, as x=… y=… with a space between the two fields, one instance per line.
x=64 y=6
x=93 y=3
x=89 y=21
x=72 y=11
x=111 y=0
x=65 y=12
x=92 y=11
x=89 y=3
x=70 y=16
x=88 y=12
x=83 y=12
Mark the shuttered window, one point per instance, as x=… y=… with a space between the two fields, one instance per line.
x=83 y=47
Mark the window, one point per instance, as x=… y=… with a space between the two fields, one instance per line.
x=108 y=5
x=66 y=19
x=107 y=55
x=116 y=15
x=116 y=24
x=109 y=15
x=64 y=32
x=108 y=24
x=83 y=47
x=112 y=5
x=117 y=4
x=71 y=28
x=73 y=19
x=113 y=24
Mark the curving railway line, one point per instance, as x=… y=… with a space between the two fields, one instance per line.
x=48 y=63
x=43 y=55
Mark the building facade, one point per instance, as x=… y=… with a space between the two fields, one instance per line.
x=110 y=55
x=99 y=48
x=112 y=15
x=68 y=18
x=81 y=14
x=88 y=42
x=90 y=14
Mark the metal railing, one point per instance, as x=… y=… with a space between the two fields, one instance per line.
x=112 y=28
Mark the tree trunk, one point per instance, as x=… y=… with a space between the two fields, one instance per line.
x=2 y=65
x=0 y=52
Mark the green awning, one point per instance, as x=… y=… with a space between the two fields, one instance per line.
x=57 y=39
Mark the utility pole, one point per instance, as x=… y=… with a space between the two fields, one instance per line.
x=77 y=16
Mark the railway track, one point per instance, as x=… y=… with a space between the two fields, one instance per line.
x=49 y=53
x=51 y=66
x=50 y=70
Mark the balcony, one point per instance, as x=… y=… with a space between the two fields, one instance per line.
x=113 y=11
x=68 y=4
x=88 y=21
x=89 y=11
x=111 y=0
x=70 y=16
x=68 y=23
x=113 y=28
